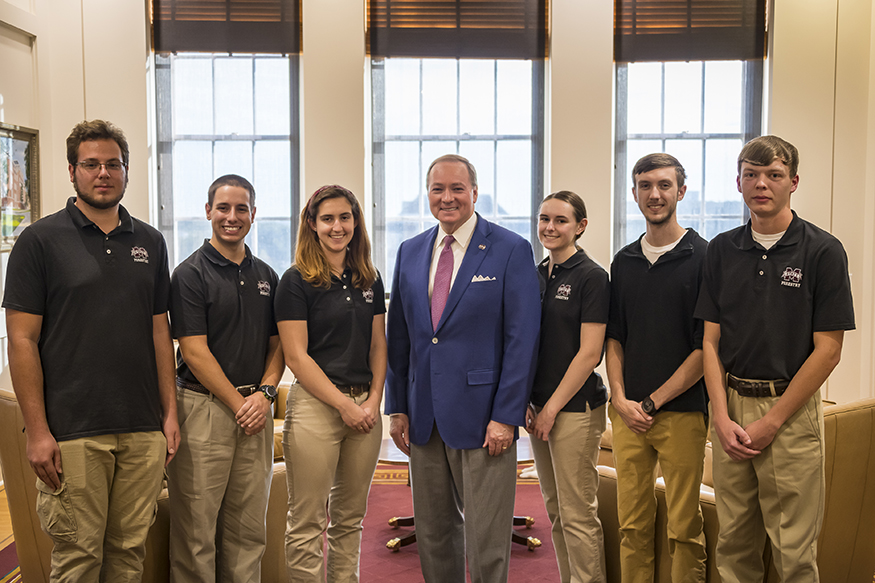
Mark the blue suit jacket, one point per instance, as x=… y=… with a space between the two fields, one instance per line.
x=480 y=362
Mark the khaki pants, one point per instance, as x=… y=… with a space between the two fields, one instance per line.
x=569 y=479
x=218 y=484
x=328 y=466
x=100 y=516
x=677 y=441
x=779 y=492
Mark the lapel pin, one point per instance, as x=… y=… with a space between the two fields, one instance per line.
x=482 y=247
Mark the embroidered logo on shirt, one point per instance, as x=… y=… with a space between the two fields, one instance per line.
x=791 y=277
x=140 y=255
x=368 y=294
x=477 y=278
x=264 y=288
x=563 y=292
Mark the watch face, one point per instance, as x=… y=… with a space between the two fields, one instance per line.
x=647 y=405
x=269 y=390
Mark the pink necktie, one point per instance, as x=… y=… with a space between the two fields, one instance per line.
x=442 y=278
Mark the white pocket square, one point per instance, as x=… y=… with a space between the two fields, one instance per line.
x=477 y=278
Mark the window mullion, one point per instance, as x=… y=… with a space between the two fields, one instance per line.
x=422 y=168
x=703 y=194
x=621 y=149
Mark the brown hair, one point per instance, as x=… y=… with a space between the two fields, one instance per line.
x=472 y=172
x=763 y=150
x=659 y=160
x=573 y=199
x=231 y=180
x=86 y=131
x=309 y=257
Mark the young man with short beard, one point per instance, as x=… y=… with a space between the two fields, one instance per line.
x=654 y=360
x=92 y=365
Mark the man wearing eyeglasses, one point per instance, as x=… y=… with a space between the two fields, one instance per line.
x=92 y=366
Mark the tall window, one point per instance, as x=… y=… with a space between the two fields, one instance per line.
x=448 y=77
x=226 y=85
x=481 y=109
x=698 y=112
x=689 y=83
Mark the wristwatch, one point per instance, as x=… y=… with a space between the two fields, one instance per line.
x=647 y=406
x=269 y=392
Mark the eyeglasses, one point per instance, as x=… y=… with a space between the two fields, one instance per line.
x=112 y=166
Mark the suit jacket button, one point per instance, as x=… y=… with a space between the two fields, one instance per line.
x=434 y=341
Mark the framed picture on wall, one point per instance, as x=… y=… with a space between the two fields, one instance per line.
x=19 y=181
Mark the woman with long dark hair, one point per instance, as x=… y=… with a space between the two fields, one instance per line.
x=331 y=318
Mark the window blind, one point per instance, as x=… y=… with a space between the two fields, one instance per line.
x=232 y=26
x=689 y=30
x=488 y=29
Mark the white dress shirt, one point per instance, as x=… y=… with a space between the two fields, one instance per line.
x=463 y=237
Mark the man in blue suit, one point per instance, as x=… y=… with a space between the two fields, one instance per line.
x=463 y=329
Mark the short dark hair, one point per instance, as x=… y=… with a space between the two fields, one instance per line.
x=764 y=150
x=472 y=172
x=230 y=180
x=573 y=199
x=97 y=129
x=658 y=160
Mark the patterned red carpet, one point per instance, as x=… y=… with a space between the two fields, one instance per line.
x=9 y=565
x=390 y=497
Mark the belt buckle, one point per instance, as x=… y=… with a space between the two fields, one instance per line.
x=356 y=390
x=246 y=390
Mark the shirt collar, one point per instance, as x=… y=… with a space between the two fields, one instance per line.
x=792 y=235
x=572 y=261
x=636 y=249
x=462 y=235
x=217 y=258
x=126 y=223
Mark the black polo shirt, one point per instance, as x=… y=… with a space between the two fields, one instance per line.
x=769 y=303
x=339 y=322
x=576 y=292
x=232 y=305
x=96 y=294
x=652 y=318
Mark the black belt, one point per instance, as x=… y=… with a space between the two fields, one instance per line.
x=757 y=388
x=354 y=390
x=244 y=390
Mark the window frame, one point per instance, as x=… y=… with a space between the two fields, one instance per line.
x=166 y=138
x=379 y=140
x=751 y=115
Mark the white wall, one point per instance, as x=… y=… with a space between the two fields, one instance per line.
x=333 y=95
x=580 y=103
x=87 y=60
x=67 y=61
x=822 y=100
